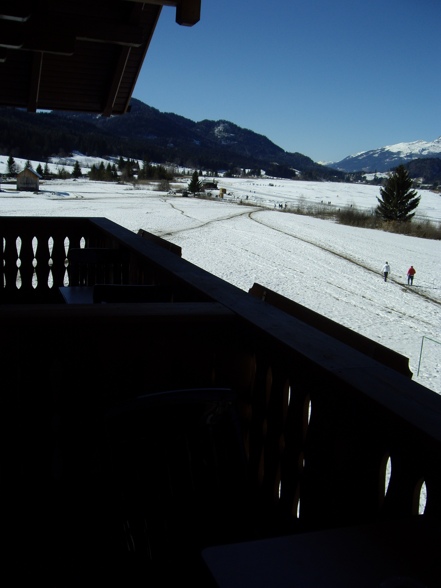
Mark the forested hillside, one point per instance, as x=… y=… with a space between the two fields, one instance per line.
x=147 y=134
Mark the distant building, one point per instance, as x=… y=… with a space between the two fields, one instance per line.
x=209 y=185
x=29 y=180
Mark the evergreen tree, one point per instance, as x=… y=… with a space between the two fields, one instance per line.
x=195 y=185
x=126 y=169
x=39 y=169
x=121 y=164
x=12 y=166
x=114 y=173
x=398 y=200
x=101 y=172
x=108 y=176
x=93 y=174
x=28 y=165
x=76 y=172
x=63 y=174
x=143 y=172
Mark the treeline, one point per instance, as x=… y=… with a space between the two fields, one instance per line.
x=428 y=168
x=127 y=170
x=44 y=171
x=44 y=135
x=151 y=136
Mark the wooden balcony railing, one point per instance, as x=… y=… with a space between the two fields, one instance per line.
x=331 y=436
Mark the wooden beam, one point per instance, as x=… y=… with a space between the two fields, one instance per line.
x=109 y=32
x=116 y=80
x=47 y=37
x=188 y=12
x=122 y=63
x=54 y=35
x=34 y=86
x=16 y=10
x=37 y=35
x=11 y=34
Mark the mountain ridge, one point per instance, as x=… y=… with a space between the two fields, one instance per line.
x=146 y=133
x=386 y=158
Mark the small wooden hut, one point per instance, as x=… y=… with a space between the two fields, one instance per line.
x=29 y=180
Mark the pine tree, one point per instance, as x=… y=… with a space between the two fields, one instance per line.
x=101 y=172
x=108 y=175
x=76 y=172
x=398 y=200
x=12 y=166
x=121 y=164
x=195 y=185
x=63 y=174
x=93 y=174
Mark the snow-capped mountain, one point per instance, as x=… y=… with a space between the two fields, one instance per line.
x=386 y=158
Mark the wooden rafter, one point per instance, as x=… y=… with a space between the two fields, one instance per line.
x=37 y=64
x=79 y=55
x=16 y=10
x=188 y=12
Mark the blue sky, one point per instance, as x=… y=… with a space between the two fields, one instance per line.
x=325 y=78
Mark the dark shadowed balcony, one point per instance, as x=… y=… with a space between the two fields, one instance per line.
x=149 y=421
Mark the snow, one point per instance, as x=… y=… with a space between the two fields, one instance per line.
x=413 y=148
x=332 y=269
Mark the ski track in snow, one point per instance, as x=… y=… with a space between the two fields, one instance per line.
x=333 y=286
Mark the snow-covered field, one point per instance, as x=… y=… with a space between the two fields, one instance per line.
x=332 y=269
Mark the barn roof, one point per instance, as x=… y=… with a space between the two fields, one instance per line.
x=78 y=55
x=29 y=170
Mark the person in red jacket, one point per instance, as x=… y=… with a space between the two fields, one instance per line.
x=410 y=273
